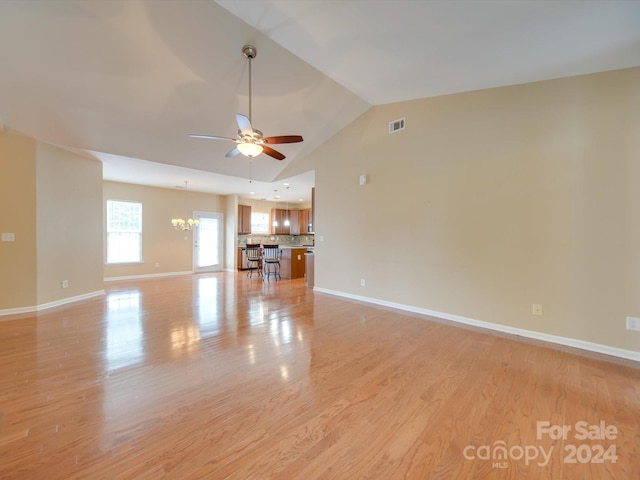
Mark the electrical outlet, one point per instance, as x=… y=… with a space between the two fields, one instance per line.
x=536 y=309
x=65 y=283
x=8 y=237
x=362 y=282
x=157 y=265
x=633 y=323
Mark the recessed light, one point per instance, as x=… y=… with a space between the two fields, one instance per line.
x=252 y=193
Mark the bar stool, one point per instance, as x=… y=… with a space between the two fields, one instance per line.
x=271 y=261
x=254 y=261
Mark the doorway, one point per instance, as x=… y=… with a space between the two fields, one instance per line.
x=207 y=242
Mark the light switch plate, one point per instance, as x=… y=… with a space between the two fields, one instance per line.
x=8 y=237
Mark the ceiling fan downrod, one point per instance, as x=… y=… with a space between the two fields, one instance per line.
x=250 y=53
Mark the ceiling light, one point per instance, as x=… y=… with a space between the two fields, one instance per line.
x=250 y=149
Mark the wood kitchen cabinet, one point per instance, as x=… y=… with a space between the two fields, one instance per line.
x=305 y=220
x=292 y=263
x=294 y=222
x=298 y=221
x=239 y=253
x=280 y=215
x=244 y=219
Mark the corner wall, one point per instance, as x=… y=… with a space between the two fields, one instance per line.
x=51 y=200
x=18 y=270
x=69 y=224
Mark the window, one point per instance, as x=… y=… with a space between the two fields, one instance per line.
x=259 y=222
x=124 y=232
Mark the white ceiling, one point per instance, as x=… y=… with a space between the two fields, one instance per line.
x=126 y=81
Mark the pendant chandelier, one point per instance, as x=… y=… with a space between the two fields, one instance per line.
x=187 y=223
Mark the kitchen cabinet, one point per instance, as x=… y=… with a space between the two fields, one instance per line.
x=294 y=222
x=244 y=219
x=292 y=263
x=305 y=220
x=280 y=215
x=240 y=249
x=299 y=220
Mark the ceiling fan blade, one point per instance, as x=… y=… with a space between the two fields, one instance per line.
x=272 y=153
x=232 y=153
x=283 y=139
x=212 y=137
x=244 y=124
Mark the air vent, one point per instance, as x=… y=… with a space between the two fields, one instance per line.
x=397 y=125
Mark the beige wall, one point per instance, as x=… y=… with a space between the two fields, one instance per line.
x=57 y=237
x=69 y=224
x=231 y=232
x=171 y=249
x=18 y=271
x=492 y=201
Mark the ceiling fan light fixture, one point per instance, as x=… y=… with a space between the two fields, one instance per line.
x=250 y=141
x=250 y=149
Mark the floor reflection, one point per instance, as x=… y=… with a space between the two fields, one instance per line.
x=184 y=339
x=206 y=299
x=124 y=333
x=206 y=335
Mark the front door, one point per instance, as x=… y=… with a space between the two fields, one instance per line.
x=207 y=243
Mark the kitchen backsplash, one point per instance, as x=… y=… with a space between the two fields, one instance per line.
x=276 y=239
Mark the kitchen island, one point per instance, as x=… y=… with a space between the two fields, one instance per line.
x=292 y=263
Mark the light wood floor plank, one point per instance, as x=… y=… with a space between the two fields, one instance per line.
x=217 y=376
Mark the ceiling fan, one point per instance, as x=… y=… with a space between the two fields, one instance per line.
x=250 y=141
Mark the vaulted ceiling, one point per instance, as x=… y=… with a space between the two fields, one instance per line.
x=126 y=81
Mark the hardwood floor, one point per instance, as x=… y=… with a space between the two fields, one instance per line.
x=219 y=376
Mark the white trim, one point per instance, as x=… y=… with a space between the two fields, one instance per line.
x=147 y=275
x=56 y=303
x=569 y=342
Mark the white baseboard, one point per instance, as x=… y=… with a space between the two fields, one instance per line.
x=148 y=275
x=57 y=303
x=568 y=342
